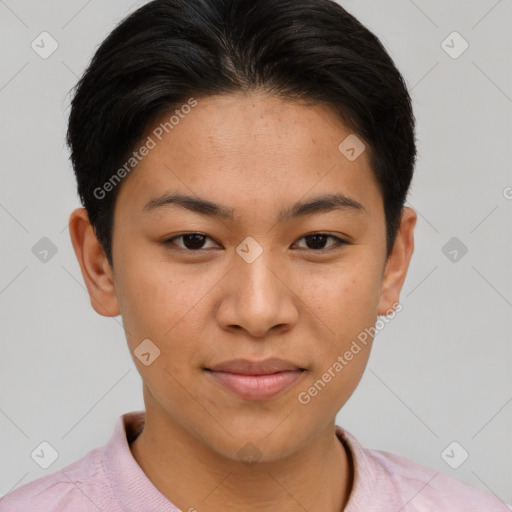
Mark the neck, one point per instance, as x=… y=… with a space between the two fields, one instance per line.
x=188 y=473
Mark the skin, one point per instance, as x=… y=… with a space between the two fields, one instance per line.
x=255 y=154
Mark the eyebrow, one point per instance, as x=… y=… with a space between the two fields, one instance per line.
x=322 y=204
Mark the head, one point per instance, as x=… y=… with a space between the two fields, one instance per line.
x=291 y=132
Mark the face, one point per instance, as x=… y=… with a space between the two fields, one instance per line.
x=266 y=279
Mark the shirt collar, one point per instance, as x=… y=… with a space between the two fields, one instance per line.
x=130 y=485
x=136 y=492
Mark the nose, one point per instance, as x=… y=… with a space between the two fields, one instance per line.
x=258 y=297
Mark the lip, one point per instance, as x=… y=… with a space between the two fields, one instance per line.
x=256 y=380
x=248 y=367
x=257 y=387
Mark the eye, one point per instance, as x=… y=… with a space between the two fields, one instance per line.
x=194 y=242
x=318 y=240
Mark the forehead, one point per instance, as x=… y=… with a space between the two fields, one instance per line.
x=251 y=149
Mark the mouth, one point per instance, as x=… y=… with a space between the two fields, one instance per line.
x=252 y=367
x=251 y=385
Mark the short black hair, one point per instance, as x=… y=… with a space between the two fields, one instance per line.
x=168 y=51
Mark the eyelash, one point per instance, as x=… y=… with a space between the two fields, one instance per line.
x=339 y=242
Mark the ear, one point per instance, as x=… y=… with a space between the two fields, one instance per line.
x=398 y=262
x=96 y=270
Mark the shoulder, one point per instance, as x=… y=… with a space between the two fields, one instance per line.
x=384 y=480
x=426 y=487
x=70 y=488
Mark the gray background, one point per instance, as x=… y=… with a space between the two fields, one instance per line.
x=438 y=373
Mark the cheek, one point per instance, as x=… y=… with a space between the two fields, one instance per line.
x=344 y=316
x=345 y=305
x=154 y=307
x=142 y=292
x=346 y=297
x=163 y=303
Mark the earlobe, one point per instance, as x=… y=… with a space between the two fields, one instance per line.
x=93 y=263
x=398 y=263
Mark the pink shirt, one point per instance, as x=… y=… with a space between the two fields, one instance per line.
x=108 y=479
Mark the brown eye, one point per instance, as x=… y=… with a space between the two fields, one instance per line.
x=317 y=241
x=193 y=242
